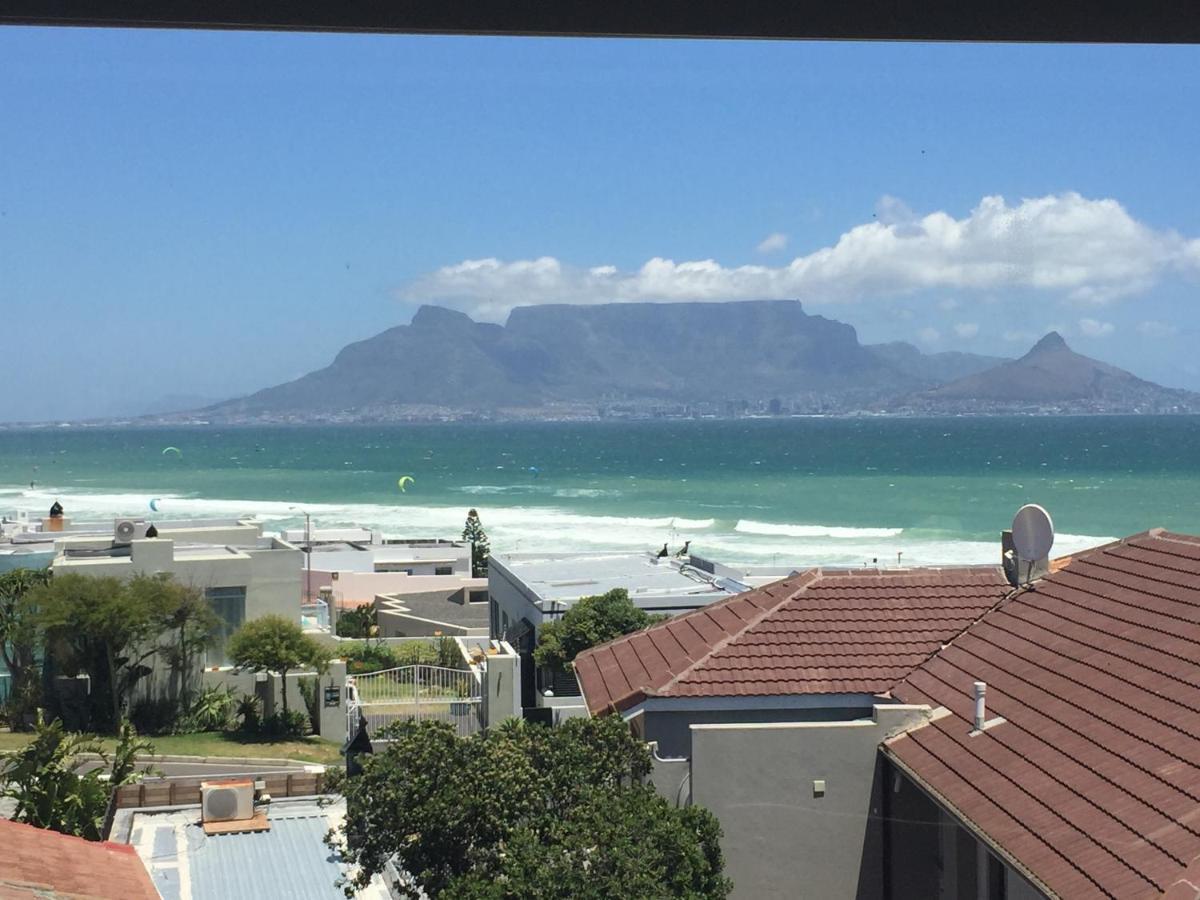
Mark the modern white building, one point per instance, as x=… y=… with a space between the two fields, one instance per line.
x=27 y=542
x=242 y=582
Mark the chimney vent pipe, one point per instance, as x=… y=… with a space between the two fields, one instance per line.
x=980 y=705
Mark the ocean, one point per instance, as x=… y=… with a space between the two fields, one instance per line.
x=781 y=492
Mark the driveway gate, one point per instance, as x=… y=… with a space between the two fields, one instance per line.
x=414 y=692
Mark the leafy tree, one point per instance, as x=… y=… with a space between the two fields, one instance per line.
x=44 y=779
x=19 y=639
x=275 y=644
x=357 y=622
x=566 y=815
x=192 y=624
x=106 y=627
x=591 y=621
x=473 y=532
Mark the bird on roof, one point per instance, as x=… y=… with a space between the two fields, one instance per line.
x=663 y=554
x=683 y=551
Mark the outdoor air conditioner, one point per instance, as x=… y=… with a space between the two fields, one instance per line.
x=226 y=801
x=125 y=530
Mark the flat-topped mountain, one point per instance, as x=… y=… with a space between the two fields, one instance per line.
x=667 y=358
x=1052 y=373
x=702 y=355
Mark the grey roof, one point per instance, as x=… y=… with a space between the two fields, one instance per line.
x=289 y=861
x=569 y=576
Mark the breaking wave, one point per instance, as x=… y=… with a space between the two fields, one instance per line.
x=748 y=526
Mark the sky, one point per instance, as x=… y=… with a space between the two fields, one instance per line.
x=200 y=215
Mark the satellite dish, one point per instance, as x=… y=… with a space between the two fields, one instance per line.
x=1032 y=532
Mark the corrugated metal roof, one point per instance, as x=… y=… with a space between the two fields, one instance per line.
x=1092 y=782
x=820 y=632
x=291 y=860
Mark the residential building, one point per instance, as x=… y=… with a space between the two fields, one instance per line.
x=29 y=543
x=1068 y=771
x=751 y=700
x=420 y=587
x=39 y=864
x=241 y=582
x=527 y=589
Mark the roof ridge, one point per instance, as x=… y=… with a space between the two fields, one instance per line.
x=806 y=580
x=687 y=616
x=933 y=654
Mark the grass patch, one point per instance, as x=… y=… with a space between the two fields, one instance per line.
x=218 y=743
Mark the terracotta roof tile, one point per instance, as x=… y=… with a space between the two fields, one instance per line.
x=1092 y=782
x=818 y=632
x=47 y=864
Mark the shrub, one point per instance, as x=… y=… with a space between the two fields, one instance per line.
x=369 y=657
x=356 y=623
x=290 y=724
x=249 y=711
x=212 y=710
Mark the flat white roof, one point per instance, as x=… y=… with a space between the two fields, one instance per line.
x=568 y=576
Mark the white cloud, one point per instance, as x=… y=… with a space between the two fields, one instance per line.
x=1089 y=251
x=1095 y=329
x=966 y=329
x=773 y=242
x=1153 y=329
x=1019 y=337
x=948 y=304
x=929 y=336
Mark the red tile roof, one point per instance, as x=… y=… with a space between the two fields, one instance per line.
x=39 y=863
x=1092 y=784
x=819 y=632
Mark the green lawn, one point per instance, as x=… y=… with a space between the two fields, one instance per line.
x=310 y=749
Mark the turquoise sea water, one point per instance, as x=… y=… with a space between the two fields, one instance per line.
x=794 y=491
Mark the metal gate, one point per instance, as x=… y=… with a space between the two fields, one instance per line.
x=414 y=692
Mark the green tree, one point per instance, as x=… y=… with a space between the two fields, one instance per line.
x=591 y=621
x=566 y=814
x=357 y=622
x=19 y=640
x=44 y=779
x=473 y=532
x=275 y=644
x=106 y=627
x=192 y=623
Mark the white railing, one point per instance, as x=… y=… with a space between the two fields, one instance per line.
x=414 y=692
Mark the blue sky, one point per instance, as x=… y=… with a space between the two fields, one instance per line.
x=209 y=213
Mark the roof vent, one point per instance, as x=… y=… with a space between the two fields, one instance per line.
x=982 y=722
x=980 y=705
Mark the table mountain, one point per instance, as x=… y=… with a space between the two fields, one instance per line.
x=699 y=355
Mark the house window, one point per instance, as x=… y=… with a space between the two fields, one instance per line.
x=229 y=603
x=442 y=570
x=477 y=596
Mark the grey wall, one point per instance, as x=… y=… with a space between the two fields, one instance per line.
x=780 y=838
x=672 y=729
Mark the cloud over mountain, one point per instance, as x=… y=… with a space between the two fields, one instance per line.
x=1090 y=251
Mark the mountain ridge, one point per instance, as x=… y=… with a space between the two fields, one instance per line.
x=681 y=358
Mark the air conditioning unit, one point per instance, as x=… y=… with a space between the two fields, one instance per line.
x=226 y=801
x=125 y=530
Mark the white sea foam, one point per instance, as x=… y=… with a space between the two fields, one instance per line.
x=748 y=526
x=514 y=528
